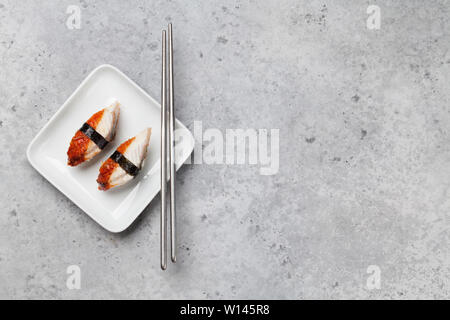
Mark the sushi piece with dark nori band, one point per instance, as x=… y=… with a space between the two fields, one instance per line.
x=125 y=163
x=87 y=142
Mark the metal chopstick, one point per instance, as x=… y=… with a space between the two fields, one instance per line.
x=163 y=231
x=171 y=152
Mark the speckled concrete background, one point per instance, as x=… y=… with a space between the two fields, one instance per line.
x=364 y=173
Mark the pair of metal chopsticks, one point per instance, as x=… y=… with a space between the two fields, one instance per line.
x=164 y=142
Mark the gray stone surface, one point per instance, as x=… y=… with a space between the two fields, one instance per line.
x=364 y=173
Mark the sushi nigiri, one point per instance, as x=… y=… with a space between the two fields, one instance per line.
x=94 y=135
x=125 y=163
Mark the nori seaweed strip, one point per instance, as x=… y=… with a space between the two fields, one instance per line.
x=96 y=137
x=124 y=163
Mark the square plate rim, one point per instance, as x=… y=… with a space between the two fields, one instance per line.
x=107 y=227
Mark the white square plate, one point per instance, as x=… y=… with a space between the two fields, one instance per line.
x=117 y=208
